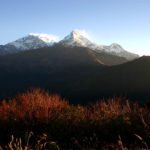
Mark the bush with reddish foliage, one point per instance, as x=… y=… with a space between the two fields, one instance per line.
x=33 y=105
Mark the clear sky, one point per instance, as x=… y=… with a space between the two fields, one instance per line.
x=126 y=22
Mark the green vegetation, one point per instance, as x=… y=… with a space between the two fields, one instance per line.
x=65 y=126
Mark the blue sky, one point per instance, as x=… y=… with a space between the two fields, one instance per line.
x=126 y=22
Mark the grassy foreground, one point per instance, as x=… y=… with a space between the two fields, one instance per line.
x=37 y=120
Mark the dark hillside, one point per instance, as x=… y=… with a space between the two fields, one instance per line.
x=75 y=73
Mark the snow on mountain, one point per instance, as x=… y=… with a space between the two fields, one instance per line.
x=77 y=38
x=49 y=39
x=34 y=41
x=116 y=49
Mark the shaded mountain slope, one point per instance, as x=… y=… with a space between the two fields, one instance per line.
x=58 y=56
x=78 y=74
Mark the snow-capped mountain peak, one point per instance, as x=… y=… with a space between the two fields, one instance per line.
x=118 y=50
x=45 y=37
x=75 y=35
x=34 y=41
x=114 y=47
x=78 y=38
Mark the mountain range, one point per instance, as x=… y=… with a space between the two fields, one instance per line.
x=74 y=39
x=74 y=67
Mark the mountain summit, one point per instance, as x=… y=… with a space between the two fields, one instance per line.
x=34 y=41
x=118 y=50
x=77 y=38
x=31 y=41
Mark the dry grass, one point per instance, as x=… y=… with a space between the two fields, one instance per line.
x=40 y=111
